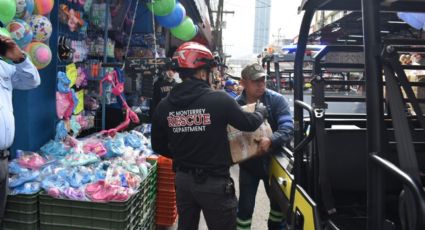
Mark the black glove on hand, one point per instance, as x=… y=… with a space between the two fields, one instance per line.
x=260 y=108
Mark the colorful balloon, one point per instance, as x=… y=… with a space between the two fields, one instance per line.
x=7 y=11
x=41 y=28
x=174 y=18
x=43 y=7
x=39 y=54
x=185 y=31
x=24 y=8
x=20 y=31
x=162 y=7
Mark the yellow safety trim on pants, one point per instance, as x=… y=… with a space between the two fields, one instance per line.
x=243 y=228
x=243 y=222
x=275 y=219
x=276 y=213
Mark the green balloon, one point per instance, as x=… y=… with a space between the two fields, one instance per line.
x=8 y=11
x=160 y=7
x=185 y=31
x=4 y=32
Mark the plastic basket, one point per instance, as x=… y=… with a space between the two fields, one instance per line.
x=166 y=199
x=166 y=220
x=21 y=225
x=166 y=172
x=21 y=212
x=22 y=203
x=70 y=214
x=165 y=163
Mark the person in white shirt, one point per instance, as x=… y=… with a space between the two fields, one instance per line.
x=21 y=74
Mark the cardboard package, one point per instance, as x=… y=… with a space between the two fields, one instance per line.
x=244 y=145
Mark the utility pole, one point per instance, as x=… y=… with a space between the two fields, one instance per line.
x=219 y=26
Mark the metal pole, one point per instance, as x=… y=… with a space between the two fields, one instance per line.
x=298 y=87
x=374 y=108
x=277 y=72
x=105 y=60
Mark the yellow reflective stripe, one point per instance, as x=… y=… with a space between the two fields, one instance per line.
x=243 y=222
x=275 y=219
x=276 y=213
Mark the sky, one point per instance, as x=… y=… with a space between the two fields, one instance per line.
x=238 y=35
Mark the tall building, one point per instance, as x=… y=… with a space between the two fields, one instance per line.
x=262 y=25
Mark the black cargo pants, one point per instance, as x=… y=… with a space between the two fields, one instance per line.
x=215 y=197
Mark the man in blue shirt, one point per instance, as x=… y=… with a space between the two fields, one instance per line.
x=20 y=75
x=230 y=88
x=254 y=170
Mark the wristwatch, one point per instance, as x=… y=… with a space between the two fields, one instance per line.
x=24 y=56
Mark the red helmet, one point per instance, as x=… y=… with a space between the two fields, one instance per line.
x=192 y=55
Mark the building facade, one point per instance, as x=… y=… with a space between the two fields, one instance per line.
x=262 y=25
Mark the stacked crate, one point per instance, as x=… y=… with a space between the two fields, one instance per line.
x=138 y=212
x=148 y=199
x=166 y=210
x=21 y=212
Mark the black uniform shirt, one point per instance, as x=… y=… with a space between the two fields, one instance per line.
x=190 y=126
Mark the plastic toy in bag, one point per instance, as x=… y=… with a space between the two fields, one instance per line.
x=75 y=126
x=54 y=149
x=82 y=78
x=15 y=168
x=63 y=82
x=30 y=160
x=64 y=105
x=114 y=147
x=54 y=181
x=26 y=189
x=54 y=192
x=95 y=146
x=74 y=193
x=61 y=131
x=133 y=141
x=71 y=142
x=23 y=178
x=103 y=192
x=78 y=159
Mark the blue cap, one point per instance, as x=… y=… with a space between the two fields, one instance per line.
x=230 y=82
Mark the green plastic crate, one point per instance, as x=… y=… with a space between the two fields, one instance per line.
x=70 y=214
x=21 y=212
x=22 y=203
x=21 y=225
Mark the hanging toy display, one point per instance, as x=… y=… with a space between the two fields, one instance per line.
x=39 y=54
x=161 y=7
x=41 y=28
x=24 y=8
x=185 y=31
x=8 y=11
x=21 y=32
x=118 y=90
x=43 y=7
x=174 y=18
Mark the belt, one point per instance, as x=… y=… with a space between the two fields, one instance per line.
x=199 y=171
x=4 y=153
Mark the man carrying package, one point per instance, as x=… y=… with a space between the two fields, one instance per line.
x=190 y=126
x=256 y=169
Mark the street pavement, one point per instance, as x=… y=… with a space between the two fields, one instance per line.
x=261 y=211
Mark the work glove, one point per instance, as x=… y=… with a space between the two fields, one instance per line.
x=260 y=108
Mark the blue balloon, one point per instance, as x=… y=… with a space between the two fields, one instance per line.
x=174 y=18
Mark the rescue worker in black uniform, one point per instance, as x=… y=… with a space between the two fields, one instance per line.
x=190 y=126
x=162 y=87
